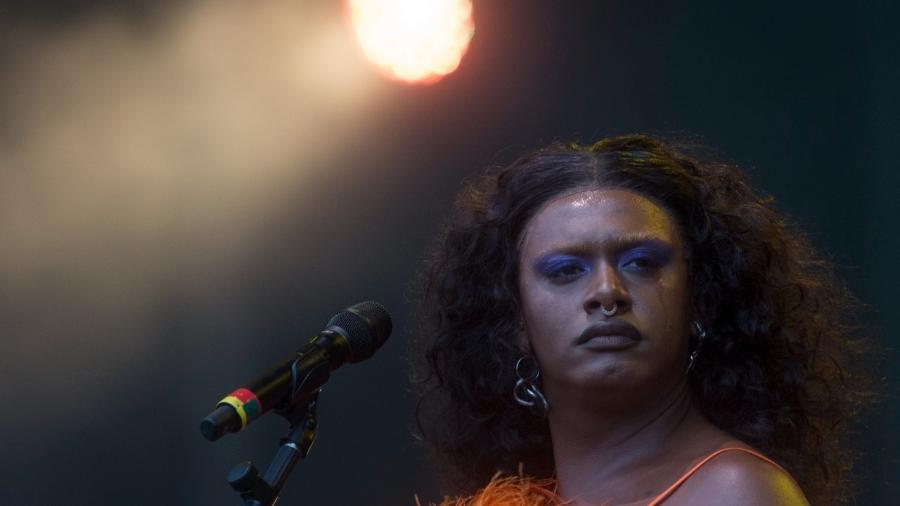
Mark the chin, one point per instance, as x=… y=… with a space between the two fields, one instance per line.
x=610 y=374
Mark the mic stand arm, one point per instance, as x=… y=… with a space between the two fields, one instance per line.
x=264 y=490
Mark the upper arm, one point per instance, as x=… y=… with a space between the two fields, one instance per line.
x=739 y=479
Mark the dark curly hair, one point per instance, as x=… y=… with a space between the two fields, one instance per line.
x=780 y=368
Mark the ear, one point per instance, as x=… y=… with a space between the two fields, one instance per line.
x=522 y=340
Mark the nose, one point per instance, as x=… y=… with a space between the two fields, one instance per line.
x=606 y=290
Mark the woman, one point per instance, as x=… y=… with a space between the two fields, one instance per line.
x=637 y=327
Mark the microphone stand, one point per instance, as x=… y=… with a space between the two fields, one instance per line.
x=264 y=490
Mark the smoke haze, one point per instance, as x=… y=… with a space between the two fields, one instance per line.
x=136 y=160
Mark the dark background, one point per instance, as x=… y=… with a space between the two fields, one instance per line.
x=174 y=219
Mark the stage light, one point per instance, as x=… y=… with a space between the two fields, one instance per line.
x=416 y=41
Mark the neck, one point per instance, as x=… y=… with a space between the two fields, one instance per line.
x=594 y=449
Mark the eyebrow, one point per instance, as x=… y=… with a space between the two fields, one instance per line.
x=617 y=243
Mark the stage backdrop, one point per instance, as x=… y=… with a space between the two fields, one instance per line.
x=190 y=189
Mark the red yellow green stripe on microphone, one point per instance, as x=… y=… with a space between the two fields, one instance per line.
x=245 y=403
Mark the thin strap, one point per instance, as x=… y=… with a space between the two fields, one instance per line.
x=690 y=472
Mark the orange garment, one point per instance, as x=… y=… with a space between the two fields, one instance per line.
x=524 y=491
x=510 y=491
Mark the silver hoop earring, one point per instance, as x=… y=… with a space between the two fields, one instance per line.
x=526 y=391
x=701 y=335
x=701 y=332
x=692 y=359
x=611 y=311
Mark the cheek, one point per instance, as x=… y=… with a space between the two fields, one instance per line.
x=535 y=307
x=664 y=306
x=543 y=312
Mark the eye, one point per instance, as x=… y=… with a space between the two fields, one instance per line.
x=640 y=264
x=643 y=260
x=562 y=269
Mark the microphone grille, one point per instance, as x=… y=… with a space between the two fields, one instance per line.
x=366 y=326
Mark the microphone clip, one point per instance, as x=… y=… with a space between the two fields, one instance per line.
x=303 y=374
x=264 y=490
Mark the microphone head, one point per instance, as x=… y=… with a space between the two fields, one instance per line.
x=366 y=326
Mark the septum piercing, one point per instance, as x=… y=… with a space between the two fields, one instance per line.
x=611 y=311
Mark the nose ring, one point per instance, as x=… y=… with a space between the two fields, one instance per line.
x=611 y=311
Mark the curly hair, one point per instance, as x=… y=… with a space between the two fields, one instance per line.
x=781 y=368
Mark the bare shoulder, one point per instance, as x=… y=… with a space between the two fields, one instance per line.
x=740 y=479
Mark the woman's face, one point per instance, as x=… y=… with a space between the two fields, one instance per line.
x=596 y=249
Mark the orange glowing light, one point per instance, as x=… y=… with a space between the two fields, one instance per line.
x=417 y=41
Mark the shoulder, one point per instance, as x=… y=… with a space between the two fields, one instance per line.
x=739 y=478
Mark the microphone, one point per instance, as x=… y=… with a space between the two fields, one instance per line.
x=352 y=335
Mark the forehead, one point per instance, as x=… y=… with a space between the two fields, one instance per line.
x=597 y=216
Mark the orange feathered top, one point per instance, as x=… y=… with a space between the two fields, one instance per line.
x=525 y=491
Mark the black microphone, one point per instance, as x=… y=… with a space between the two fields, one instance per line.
x=352 y=335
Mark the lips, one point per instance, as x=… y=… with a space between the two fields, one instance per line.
x=609 y=335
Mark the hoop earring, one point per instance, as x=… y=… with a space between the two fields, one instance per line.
x=526 y=392
x=701 y=335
